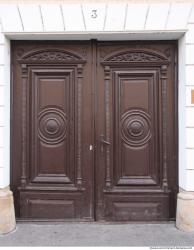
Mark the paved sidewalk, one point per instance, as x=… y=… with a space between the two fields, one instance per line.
x=97 y=234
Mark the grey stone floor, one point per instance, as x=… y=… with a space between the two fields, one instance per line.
x=97 y=234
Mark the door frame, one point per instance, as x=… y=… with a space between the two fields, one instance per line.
x=94 y=103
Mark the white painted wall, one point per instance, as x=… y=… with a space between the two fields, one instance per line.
x=181 y=115
x=189 y=108
x=114 y=21
x=4 y=111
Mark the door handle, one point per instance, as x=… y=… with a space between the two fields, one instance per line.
x=103 y=143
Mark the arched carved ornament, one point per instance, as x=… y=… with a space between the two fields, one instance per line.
x=136 y=56
x=50 y=55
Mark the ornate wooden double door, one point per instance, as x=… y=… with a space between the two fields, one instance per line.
x=94 y=130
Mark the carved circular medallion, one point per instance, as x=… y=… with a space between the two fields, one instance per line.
x=135 y=128
x=52 y=125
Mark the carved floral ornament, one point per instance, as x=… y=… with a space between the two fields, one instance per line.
x=50 y=56
x=136 y=56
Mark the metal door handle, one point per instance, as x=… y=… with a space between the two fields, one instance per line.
x=103 y=142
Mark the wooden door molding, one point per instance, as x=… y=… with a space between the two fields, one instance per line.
x=50 y=123
x=133 y=119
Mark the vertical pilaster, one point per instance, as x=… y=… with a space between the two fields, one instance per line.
x=24 y=124
x=107 y=121
x=79 y=127
x=164 y=125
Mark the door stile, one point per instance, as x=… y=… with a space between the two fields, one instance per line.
x=94 y=112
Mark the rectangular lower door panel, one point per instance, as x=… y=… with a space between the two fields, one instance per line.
x=137 y=207
x=44 y=205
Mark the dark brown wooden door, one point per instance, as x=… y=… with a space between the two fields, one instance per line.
x=94 y=130
x=136 y=131
x=52 y=109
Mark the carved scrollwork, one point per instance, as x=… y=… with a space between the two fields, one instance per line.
x=135 y=128
x=135 y=56
x=51 y=55
x=52 y=125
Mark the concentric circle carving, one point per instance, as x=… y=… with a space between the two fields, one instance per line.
x=135 y=128
x=52 y=125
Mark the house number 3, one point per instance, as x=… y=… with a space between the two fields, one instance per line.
x=94 y=14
